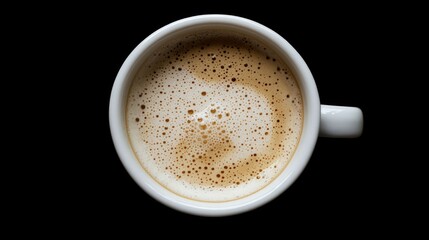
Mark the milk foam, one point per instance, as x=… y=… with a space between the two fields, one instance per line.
x=214 y=118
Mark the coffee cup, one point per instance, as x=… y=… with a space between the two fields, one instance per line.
x=216 y=115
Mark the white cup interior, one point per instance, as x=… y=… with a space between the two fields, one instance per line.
x=177 y=30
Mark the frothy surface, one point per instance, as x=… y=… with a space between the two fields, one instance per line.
x=214 y=117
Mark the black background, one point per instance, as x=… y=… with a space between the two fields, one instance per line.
x=77 y=51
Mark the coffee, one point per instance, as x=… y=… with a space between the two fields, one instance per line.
x=214 y=116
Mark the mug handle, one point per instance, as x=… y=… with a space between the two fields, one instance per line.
x=340 y=122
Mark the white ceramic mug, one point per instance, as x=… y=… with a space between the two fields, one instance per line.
x=319 y=120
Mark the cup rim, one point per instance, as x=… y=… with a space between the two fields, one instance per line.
x=280 y=184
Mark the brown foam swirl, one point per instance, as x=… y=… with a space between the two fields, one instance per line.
x=214 y=117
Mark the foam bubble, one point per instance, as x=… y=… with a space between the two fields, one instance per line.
x=214 y=118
